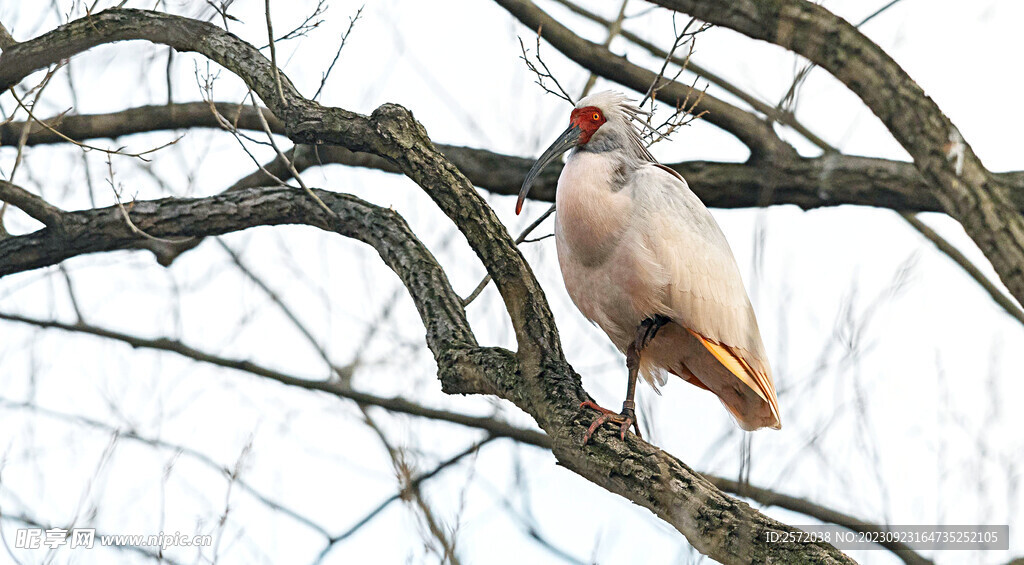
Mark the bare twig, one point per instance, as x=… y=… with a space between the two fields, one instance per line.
x=522 y=238
x=124 y=211
x=283 y=157
x=767 y=109
x=222 y=11
x=306 y=26
x=344 y=37
x=33 y=522
x=118 y=151
x=493 y=426
x=685 y=36
x=132 y=435
x=410 y=489
x=959 y=258
x=614 y=29
x=413 y=483
x=545 y=73
x=273 y=56
x=787 y=103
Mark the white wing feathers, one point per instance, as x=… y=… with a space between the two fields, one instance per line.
x=704 y=290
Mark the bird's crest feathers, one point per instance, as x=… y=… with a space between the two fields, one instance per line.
x=623 y=116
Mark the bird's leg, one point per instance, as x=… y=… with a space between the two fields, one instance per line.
x=645 y=332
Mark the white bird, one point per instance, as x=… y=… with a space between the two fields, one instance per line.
x=643 y=258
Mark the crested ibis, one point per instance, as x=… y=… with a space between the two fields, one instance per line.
x=643 y=259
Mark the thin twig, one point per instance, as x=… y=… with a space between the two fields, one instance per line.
x=546 y=73
x=273 y=55
x=788 y=102
x=127 y=218
x=614 y=29
x=522 y=237
x=306 y=26
x=414 y=483
x=686 y=36
x=351 y=24
x=118 y=151
x=767 y=109
x=410 y=489
x=285 y=159
x=161 y=444
x=960 y=259
x=493 y=426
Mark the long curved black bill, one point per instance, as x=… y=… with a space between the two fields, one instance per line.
x=569 y=139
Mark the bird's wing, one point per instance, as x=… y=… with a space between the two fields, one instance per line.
x=702 y=284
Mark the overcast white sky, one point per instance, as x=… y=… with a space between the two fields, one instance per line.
x=900 y=406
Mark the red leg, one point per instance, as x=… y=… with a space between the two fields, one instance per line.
x=645 y=332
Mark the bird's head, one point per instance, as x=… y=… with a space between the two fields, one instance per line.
x=602 y=118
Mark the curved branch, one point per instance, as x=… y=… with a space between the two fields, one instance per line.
x=963 y=186
x=390 y=132
x=772 y=113
x=31 y=204
x=755 y=133
x=105 y=229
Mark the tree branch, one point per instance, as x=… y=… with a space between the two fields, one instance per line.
x=398 y=405
x=803 y=506
x=829 y=180
x=963 y=186
x=754 y=132
x=771 y=112
x=31 y=204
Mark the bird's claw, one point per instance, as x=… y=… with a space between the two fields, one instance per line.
x=625 y=419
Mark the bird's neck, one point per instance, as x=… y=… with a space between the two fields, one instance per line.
x=592 y=208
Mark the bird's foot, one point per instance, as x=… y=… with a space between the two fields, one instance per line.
x=625 y=419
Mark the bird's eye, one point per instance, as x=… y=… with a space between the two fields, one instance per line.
x=596 y=117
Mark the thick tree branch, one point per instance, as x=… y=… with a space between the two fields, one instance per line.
x=963 y=186
x=105 y=229
x=771 y=112
x=390 y=132
x=755 y=133
x=829 y=180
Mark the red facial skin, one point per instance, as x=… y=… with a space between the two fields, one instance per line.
x=588 y=119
